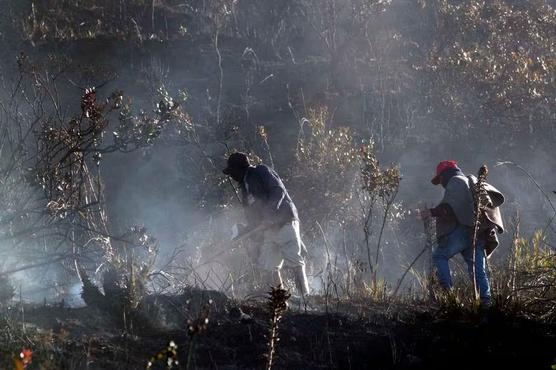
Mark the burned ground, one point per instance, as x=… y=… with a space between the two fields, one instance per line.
x=357 y=336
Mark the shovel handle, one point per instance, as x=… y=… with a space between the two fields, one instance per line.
x=230 y=246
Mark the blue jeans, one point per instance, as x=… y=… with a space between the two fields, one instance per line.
x=459 y=241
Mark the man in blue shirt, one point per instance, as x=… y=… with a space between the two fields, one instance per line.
x=268 y=204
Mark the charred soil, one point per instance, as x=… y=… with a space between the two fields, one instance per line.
x=354 y=336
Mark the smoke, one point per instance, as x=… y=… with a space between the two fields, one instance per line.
x=377 y=95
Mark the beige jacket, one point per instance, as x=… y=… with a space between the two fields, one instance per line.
x=459 y=198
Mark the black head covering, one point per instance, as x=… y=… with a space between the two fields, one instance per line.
x=238 y=161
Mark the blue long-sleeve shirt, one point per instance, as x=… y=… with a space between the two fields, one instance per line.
x=265 y=197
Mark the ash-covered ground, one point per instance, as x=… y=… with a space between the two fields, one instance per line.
x=337 y=335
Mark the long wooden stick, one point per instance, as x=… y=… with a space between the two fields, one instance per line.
x=230 y=246
x=428 y=247
x=427 y=225
x=408 y=269
x=480 y=202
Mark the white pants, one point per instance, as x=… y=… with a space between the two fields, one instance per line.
x=281 y=247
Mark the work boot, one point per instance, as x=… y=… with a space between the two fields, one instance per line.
x=277 y=278
x=301 y=282
x=486 y=312
x=267 y=280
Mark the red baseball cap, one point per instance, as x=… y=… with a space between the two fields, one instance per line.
x=443 y=166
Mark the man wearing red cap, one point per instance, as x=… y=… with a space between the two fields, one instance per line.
x=455 y=219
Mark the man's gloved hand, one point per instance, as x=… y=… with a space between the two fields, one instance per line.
x=423 y=213
x=238 y=229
